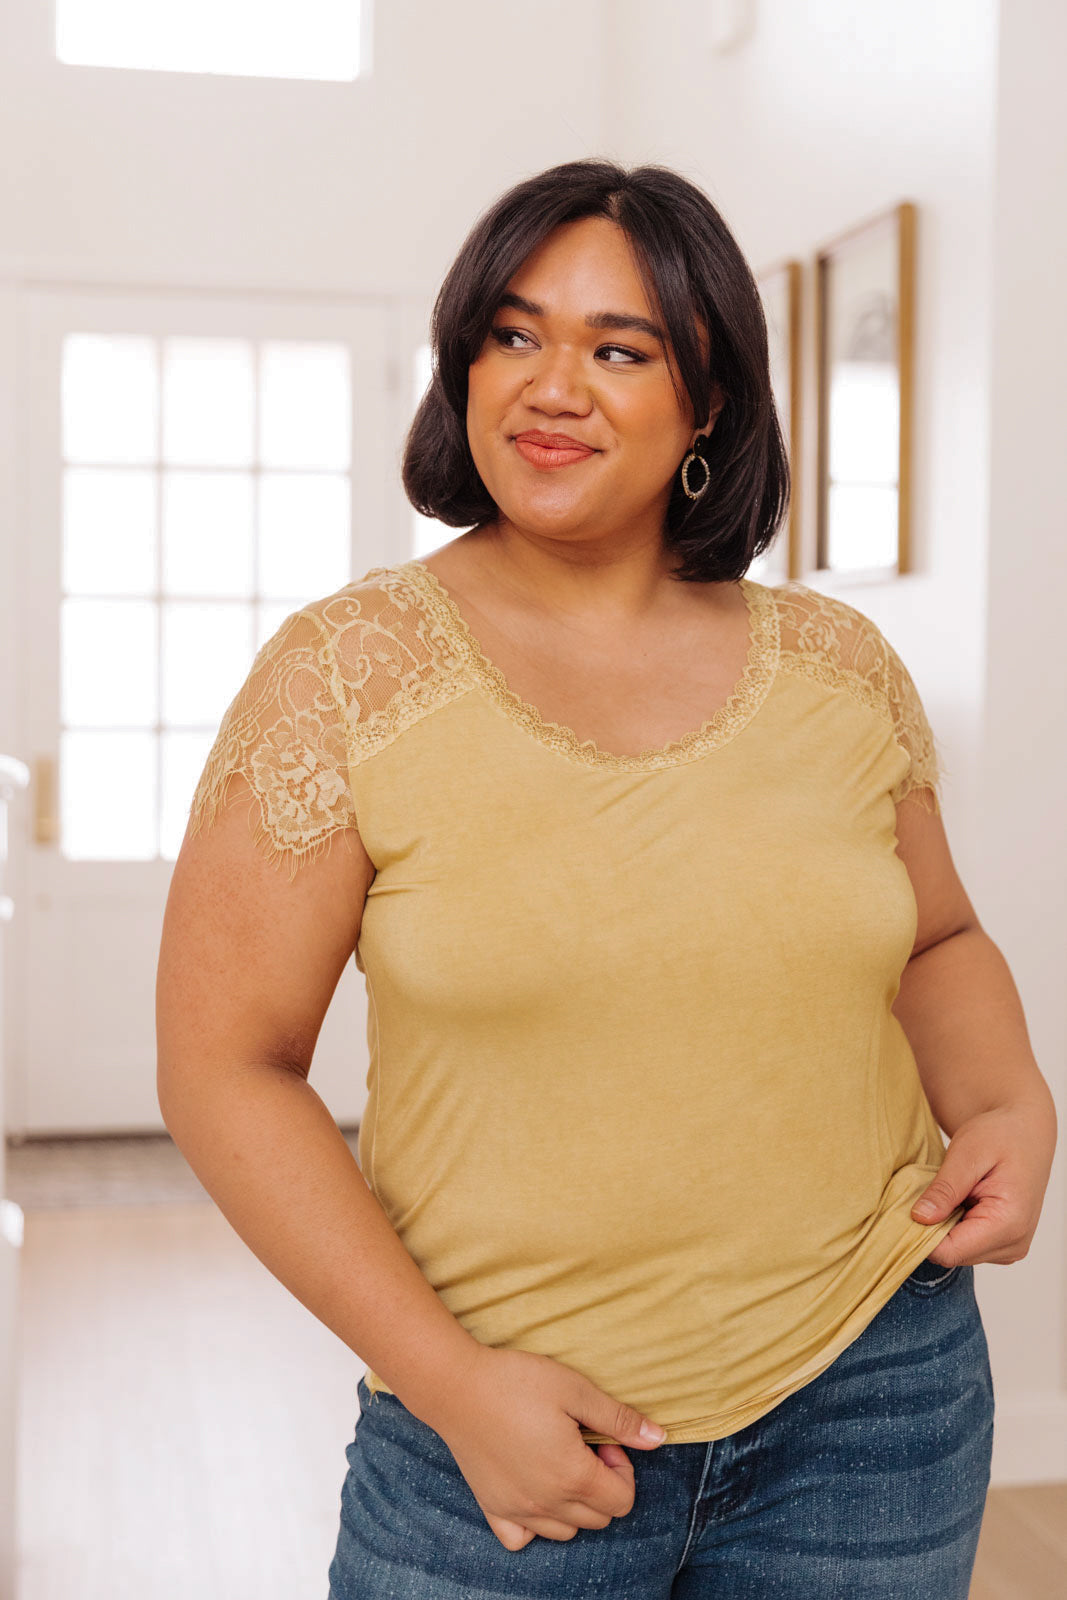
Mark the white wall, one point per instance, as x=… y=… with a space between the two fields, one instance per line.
x=1023 y=873
x=824 y=115
x=364 y=187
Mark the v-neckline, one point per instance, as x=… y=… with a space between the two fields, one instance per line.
x=748 y=694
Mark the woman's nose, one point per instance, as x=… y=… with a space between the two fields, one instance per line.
x=557 y=382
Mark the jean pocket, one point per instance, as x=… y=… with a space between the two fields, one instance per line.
x=930 y=1277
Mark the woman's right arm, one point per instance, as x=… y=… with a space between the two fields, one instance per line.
x=248 y=963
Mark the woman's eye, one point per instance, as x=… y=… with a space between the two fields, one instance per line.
x=634 y=355
x=503 y=335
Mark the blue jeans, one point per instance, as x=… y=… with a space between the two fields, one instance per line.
x=870 y=1481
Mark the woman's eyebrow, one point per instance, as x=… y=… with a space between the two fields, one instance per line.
x=596 y=319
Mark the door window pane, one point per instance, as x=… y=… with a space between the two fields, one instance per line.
x=305 y=415
x=208 y=396
x=208 y=534
x=109 y=655
x=109 y=531
x=184 y=549
x=207 y=650
x=110 y=404
x=304 y=522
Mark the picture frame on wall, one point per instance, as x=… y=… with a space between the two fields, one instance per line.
x=865 y=359
x=780 y=288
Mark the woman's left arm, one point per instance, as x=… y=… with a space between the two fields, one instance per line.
x=961 y=1011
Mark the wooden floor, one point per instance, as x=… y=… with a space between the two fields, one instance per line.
x=183 y=1418
x=183 y=1422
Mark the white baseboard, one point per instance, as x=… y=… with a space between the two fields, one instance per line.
x=1029 y=1440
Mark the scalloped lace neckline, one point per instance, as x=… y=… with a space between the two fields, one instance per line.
x=723 y=725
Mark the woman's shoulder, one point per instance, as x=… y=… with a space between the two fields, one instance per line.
x=383 y=599
x=388 y=662
x=381 y=618
x=818 y=619
x=825 y=637
x=340 y=677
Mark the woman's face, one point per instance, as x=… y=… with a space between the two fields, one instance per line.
x=544 y=369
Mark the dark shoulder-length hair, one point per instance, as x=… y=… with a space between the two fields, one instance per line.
x=694 y=274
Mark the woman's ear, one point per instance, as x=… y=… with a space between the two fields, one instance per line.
x=718 y=400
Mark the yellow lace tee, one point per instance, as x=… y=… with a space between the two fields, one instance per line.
x=637 y=1097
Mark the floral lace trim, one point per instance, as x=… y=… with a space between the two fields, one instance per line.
x=747 y=697
x=283 y=736
x=334 y=684
x=344 y=677
x=928 y=767
x=393 y=664
x=825 y=638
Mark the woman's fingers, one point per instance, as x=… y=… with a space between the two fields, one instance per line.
x=512 y=1535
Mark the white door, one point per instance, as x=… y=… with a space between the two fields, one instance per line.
x=192 y=468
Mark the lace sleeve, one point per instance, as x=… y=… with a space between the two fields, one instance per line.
x=284 y=733
x=914 y=734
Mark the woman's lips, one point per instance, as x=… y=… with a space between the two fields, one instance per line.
x=539 y=455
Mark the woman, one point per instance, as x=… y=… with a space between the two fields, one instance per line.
x=644 y=868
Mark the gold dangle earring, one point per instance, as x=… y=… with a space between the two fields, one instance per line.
x=695 y=455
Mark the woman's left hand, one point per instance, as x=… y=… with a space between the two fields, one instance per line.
x=997 y=1164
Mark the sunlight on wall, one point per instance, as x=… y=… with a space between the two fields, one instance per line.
x=318 y=39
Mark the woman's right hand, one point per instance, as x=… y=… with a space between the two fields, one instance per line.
x=515 y=1438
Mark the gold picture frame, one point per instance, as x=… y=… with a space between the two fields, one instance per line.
x=780 y=288
x=865 y=361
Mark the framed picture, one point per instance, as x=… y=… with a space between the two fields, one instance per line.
x=780 y=291
x=864 y=344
